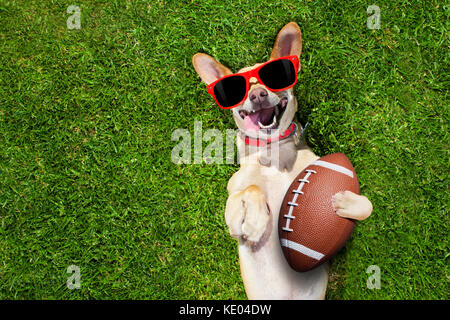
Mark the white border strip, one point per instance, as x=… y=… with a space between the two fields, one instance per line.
x=334 y=167
x=302 y=249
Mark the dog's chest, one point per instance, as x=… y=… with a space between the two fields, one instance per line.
x=276 y=184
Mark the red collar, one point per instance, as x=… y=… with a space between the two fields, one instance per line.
x=261 y=142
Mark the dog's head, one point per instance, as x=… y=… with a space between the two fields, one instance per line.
x=263 y=110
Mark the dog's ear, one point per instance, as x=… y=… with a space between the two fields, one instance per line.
x=288 y=42
x=208 y=68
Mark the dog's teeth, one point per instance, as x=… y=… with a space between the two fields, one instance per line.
x=263 y=126
x=270 y=125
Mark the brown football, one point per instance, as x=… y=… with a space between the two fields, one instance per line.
x=310 y=231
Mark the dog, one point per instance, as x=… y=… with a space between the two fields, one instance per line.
x=257 y=190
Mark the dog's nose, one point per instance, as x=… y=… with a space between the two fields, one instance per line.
x=258 y=95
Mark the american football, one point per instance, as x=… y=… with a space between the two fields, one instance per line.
x=310 y=231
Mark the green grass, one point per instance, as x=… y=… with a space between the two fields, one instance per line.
x=86 y=117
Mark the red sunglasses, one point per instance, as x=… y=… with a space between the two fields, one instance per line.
x=277 y=75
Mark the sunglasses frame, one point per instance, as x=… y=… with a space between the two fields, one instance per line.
x=254 y=73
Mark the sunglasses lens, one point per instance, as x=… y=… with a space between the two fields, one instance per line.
x=230 y=91
x=278 y=74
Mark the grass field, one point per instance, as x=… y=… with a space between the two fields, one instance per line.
x=86 y=118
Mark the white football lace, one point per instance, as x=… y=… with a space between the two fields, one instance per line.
x=293 y=202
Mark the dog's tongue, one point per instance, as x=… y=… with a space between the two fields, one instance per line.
x=249 y=124
x=251 y=121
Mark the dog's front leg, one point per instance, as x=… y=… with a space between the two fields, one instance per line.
x=351 y=205
x=247 y=213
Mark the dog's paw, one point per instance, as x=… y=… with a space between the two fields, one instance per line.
x=247 y=214
x=351 y=205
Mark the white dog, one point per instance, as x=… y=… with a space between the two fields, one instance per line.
x=258 y=188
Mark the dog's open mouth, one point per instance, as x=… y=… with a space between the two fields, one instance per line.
x=264 y=119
